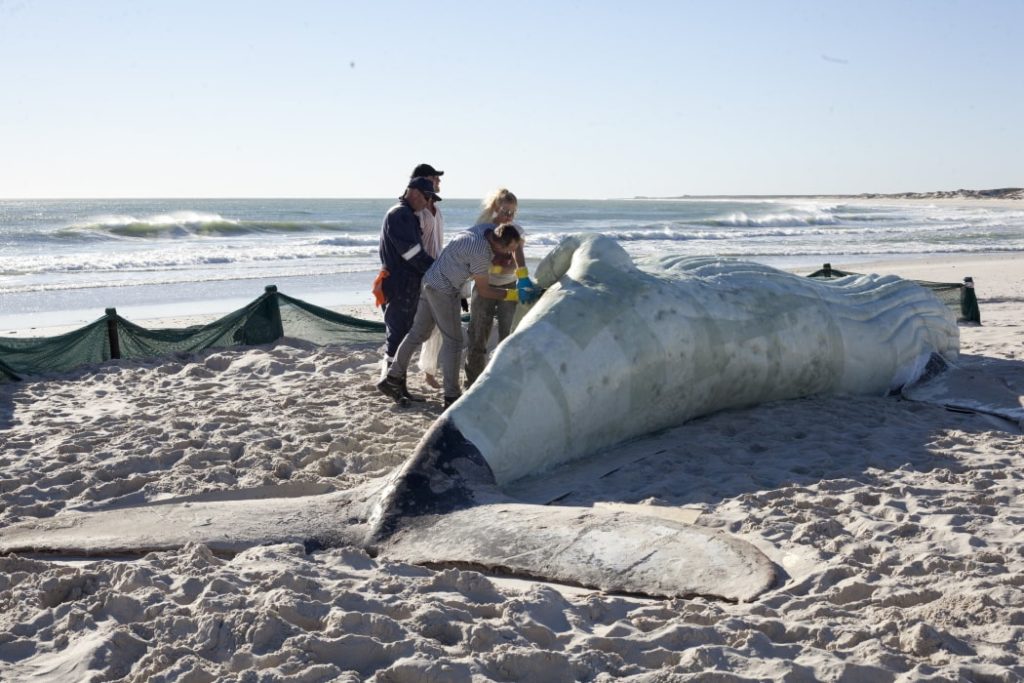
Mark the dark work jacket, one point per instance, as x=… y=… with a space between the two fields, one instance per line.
x=400 y=235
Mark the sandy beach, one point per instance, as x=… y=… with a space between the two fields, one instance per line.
x=897 y=526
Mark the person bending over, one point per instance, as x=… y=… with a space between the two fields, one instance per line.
x=467 y=256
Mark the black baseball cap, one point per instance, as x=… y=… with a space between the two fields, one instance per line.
x=424 y=170
x=424 y=185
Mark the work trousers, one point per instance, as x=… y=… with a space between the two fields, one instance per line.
x=443 y=311
x=400 y=310
x=482 y=312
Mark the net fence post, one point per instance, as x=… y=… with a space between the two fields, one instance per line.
x=112 y=337
x=274 y=308
x=969 y=310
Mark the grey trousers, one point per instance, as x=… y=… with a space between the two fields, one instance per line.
x=481 y=318
x=442 y=310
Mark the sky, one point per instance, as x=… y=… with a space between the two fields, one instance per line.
x=553 y=99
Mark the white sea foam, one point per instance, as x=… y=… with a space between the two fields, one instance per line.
x=172 y=218
x=82 y=244
x=742 y=219
x=188 y=224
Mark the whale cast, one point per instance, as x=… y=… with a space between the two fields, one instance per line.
x=613 y=350
x=617 y=349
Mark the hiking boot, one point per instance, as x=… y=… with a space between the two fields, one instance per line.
x=393 y=387
x=410 y=397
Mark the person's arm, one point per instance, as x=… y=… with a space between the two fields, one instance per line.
x=520 y=257
x=405 y=234
x=487 y=291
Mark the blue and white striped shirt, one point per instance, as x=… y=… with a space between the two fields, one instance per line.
x=466 y=256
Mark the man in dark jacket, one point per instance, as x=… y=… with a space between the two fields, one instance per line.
x=404 y=259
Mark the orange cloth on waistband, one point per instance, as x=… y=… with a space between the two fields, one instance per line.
x=378 y=288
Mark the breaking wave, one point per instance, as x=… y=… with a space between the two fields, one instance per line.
x=189 y=224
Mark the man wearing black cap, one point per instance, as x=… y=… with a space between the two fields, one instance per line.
x=403 y=261
x=428 y=171
x=432 y=225
x=431 y=220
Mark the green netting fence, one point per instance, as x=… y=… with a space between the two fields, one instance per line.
x=958 y=296
x=270 y=317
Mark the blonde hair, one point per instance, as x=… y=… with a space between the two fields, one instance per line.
x=493 y=202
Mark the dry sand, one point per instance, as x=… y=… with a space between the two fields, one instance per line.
x=898 y=526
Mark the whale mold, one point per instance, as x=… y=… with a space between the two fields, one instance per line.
x=614 y=349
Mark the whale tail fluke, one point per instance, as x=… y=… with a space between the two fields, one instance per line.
x=604 y=549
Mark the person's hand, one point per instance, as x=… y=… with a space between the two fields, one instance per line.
x=529 y=295
x=527 y=288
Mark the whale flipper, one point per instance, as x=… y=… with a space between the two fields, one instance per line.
x=592 y=547
x=226 y=526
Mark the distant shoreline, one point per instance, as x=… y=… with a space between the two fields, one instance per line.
x=1006 y=193
x=1000 y=193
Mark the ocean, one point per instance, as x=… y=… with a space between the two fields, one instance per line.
x=65 y=261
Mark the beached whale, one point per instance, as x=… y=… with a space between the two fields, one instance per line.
x=614 y=349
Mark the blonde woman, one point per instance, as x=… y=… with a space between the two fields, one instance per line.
x=499 y=208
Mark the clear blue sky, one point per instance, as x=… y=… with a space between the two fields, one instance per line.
x=138 y=98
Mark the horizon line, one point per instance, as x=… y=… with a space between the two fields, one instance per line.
x=981 y=193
